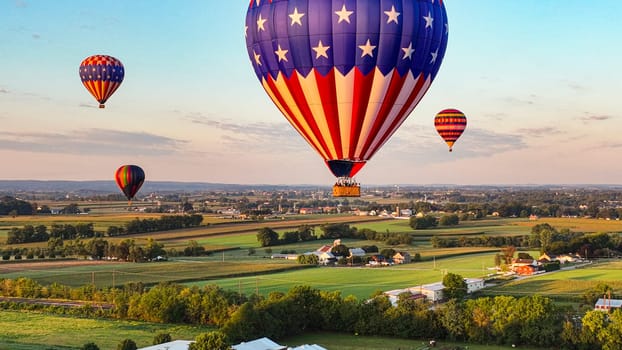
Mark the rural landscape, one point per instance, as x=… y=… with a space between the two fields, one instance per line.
x=310 y=175
x=251 y=265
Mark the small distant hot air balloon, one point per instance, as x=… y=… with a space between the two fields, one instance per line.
x=346 y=74
x=101 y=75
x=450 y=124
x=129 y=178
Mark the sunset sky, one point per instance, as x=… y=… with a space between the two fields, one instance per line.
x=539 y=80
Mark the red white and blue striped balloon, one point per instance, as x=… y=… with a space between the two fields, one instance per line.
x=346 y=73
x=101 y=75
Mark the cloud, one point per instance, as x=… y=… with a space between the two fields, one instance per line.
x=36 y=36
x=258 y=136
x=86 y=105
x=528 y=100
x=21 y=4
x=4 y=91
x=539 y=132
x=423 y=146
x=595 y=118
x=572 y=85
x=91 y=141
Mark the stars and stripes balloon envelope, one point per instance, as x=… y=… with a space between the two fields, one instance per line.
x=129 y=178
x=346 y=73
x=450 y=124
x=101 y=75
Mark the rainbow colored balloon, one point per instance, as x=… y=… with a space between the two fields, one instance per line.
x=101 y=75
x=346 y=74
x=450 y=124
x=129 y=178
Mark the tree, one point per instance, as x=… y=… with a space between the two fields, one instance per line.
x=127 y=344
x=267 y=237
x=89 y=346
x=455 y=286
x=210 y=341
x=419 y=223
x=340 y=250
x=161 y=338
x=449 y=220
x=71 y=209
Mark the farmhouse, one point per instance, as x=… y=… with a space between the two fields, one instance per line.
x=356 y=252
x=605 y=304
x=325 y=258
x=306 y=211
x=525 y=270
x=562 y=258
x=401 y=258
x=474 y=284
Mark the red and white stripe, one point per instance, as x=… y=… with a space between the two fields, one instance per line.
x=346 y=116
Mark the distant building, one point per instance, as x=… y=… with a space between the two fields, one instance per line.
x=259 y=344
x=357 y=252
x=402 y=258
x=306 y=211
x=606 y=304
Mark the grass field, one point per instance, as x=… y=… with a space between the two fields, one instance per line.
x=31 y=331
x=352 y=342
x=105 y=274
x=565 y=283
x=360 y=281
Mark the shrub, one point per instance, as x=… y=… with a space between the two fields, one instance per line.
x=127 y=344
x=89 y=346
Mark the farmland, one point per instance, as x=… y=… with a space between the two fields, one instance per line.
x=30 y=331
x=240 y=264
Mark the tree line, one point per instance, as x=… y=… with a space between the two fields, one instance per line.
x=39 y=233
x=268 y=237
x=504 y=320
x=100 y=248
x=545 y=238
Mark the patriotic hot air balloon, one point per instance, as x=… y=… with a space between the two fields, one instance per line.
x=450 y=124
x=347 y=73
x=101 y=75
x=129 y=178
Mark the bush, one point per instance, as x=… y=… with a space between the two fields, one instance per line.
x=89 y=346
x=161 y=338
x=127 y=344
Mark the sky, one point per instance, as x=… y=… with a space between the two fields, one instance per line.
x=539 y=81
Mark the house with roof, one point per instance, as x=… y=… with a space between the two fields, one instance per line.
x=402 y=258
x=356 y=252
x=525 y=270
x=326 y=258
x=474 y=284
x=607 y=304
x=259 y=344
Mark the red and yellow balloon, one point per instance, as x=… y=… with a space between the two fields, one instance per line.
x=450 y=124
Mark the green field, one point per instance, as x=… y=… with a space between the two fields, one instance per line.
x=32 y=331
x=565 y=283
x=360 y=281
x=108 y=273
